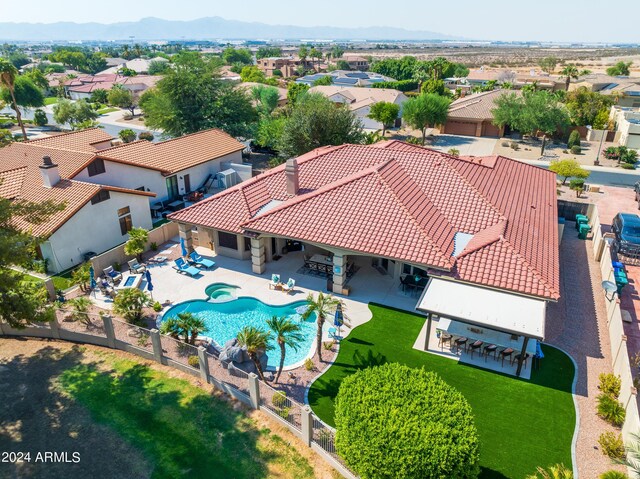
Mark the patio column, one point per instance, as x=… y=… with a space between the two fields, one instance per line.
x=339 y=273
x=258 y=257
x=426 y=339
x=522 y=353
x=185 y=233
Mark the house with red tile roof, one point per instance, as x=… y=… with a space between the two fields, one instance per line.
x=107 y=187
x=418 y=215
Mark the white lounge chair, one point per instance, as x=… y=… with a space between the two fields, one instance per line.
x=136 y=267
x=275 y=282
x=288 y=288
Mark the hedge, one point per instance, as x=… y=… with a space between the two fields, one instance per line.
x=401 y=85
x=393 y=421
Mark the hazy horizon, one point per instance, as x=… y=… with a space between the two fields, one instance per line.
x=547 y=20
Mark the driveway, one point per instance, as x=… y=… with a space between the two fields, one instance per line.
x=467 y=145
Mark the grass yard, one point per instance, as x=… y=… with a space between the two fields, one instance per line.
x=522 y=424
x=105 y=110
x=51 y=100
x=127 y=419
x=62 y=281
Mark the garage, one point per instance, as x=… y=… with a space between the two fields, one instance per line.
x=489 y=129
x=465 y=128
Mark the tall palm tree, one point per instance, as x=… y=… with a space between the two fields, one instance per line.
x=323 y=306
x=185 y=324
x=255 y=340
x=287 y=333
x=8 y=74
x=571 y=71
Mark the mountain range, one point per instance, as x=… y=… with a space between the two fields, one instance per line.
x=209 y=28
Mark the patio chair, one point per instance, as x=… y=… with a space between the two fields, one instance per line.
x=476 y=345
x=461 y=342
x=288 y=288
x=506 y=353
x=489 y=349
x=182 y=267
x=516 y=358
x=136 y=267
x=113 y=274
x=275 y=282
x=444 y=338
x=200 y=261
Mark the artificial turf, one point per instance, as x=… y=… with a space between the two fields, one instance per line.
x=522 y=424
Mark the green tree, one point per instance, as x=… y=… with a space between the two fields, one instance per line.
x=8 y=75
x=343 y=65
x=129 y=302
x=323 y=306
x=122 y=98
x=232 y=55
x=252 y=73
x=434 y=86
x=185 y=324
x=620 y=69
x=78 y=115
x=287 y=333
x=337 y=52
x=396 y=68
x=80 y=309
x=5 y=137
x=137 y=241
x=40 y=118
x=18 y=59
x=294 y=89
x=99 y=96
x=568 y=169
x=424 y=111
x=256 y=341
x=570 y=71
x=267 y=98
x=268 y=52
x=324 y=81
x=127 y=72
x=424 y=426
x=127 y=135
x=158 y=68
x=574 y=139
x=316 y=121
x=303 y=53
x=548 y=64
x=584 y=106
x=269 y=131
x=191 y=97
x=81 y=276
x=385 y=113
x=37 y=78
x=22 y=301
x=93 y=64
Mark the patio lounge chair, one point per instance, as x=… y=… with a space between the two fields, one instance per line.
x=136 y=267
x=275 y=282
x=182 y=267
x=200 y=261
x=112 y=273
x=287 y=288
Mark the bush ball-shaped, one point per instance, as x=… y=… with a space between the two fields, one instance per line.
x=393 y=421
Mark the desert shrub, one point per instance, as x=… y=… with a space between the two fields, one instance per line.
x=127 y=135
x=612 y=445
x=505 y=144
x=454 y=152
x=611 y=410
x=514 y=146
x=613 y=475
x=277 y=72
x=575 y=150
x=80 y=309
x=40 y=118
x=574 y=139
x=308 y=364
x=327 y=345
x=557 y=471
x=157 y=307
x=194 y=362
x=610 y=384
x=422 y=406
x=145 y=135
x=153 y=246
x=627 y=166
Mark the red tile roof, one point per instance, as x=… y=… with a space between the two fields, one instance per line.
x=407 y=203
x=81 y=140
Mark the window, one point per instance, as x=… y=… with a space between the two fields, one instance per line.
x=172 y=187
x=227 y=240
x=247 y=243
x=102 y=195
x=96 y=167
x=124 y=216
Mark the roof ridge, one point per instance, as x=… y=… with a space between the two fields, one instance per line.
x=114 y=147
x=31 y=145
x=68 y=133
x=190 y=135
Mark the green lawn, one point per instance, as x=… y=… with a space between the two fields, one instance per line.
x=105 y=110
x=180 y=429
x=51 y=100
x=60 y=281
x=522 y=424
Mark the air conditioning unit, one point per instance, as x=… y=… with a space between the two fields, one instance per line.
x=227 y=178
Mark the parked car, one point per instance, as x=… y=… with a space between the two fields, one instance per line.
x=626 y=227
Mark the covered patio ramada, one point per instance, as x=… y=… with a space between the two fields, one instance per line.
x=473 y=239
x=493 y=325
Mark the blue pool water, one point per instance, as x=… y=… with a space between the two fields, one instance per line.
x=225 y=319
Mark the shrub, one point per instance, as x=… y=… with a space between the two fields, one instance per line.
x=277 y=72
x=627 y=166
x=129 y=303
x=454 y=152
x=576 y=150
x=577 y=185
x=327 y=345
x=557 y=471
x=505 y=144
x=279 y=399
x=611 y=410
x=308 y=364
x=194 y=362
x=153 y=246
x=80 y=309
x=514 y=146
x=413 y=442
x=40 y=118
x=127 y=135
x=613 y=475
x=146 y=135
x=612 y=445
x=574 y=139
x=157 y=307
x=610 y=384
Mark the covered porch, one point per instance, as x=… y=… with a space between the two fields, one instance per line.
x=487 y=328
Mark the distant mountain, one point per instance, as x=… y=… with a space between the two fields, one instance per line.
x=209 y=28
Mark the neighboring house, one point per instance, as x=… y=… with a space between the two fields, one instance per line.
x=282 y=92
x=360 y=101
x=139 y=65
x=626 y=90
x=95 y=218
x=346 y=78
x=471 y=115
x=81 y=87
x=286 y=65
x=356 y=62
x=484 y=226
x=115 y=62
x=544 y=81
x=627 y=124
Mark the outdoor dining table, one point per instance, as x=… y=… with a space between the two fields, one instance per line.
x=416 y=283
x=320 y=263
x=176 y=205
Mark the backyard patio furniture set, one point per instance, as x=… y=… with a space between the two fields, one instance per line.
x=413 y=283
x=471 y=346
x=285 y=287
x=189 y=267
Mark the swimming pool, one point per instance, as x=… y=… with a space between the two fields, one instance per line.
x=221 y=292
x=224 y=319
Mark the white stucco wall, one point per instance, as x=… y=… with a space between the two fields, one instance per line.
x=94 y=228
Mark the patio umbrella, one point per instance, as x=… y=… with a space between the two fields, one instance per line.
x=149 y=284
x=183 y=247
x=338 y=319
x=92 y=279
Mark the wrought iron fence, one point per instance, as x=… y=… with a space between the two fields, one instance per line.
x=278 y=403
x=134 y=335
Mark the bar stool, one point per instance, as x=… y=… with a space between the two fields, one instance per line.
x=475 y=346
x=444 y=338
x=461 y=341
x=506 y=353
x=516 y=358
x=489 y=349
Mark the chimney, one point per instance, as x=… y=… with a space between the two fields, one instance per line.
x=49 y=172
x=291 y=170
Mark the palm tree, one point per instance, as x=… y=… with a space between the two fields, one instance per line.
x=558 y=471
x=287 y=333
x=632 y=459
x=187 y=324
x=255 y=340
x=322 y=307
x=8 y=74
x=571 y=71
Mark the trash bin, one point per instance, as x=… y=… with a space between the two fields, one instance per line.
x=583 y=231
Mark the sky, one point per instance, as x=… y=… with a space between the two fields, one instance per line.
x=542 y=20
